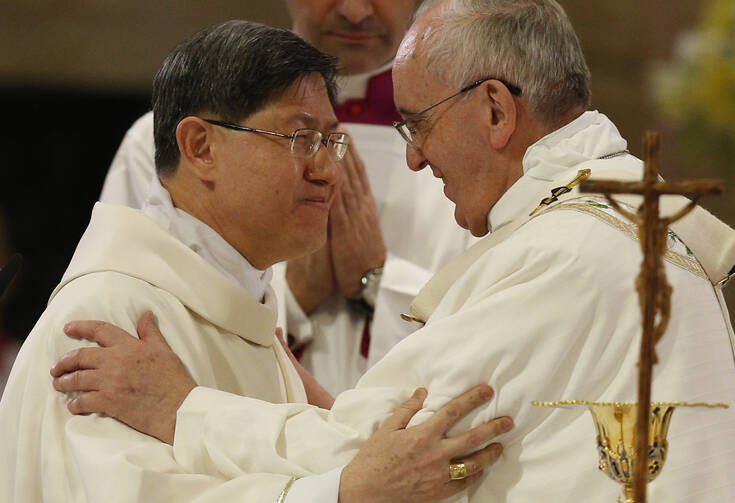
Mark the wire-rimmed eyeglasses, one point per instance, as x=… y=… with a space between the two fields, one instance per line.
x=304 y=142
x=408 y=133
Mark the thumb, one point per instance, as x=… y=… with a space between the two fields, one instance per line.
x=148 y=329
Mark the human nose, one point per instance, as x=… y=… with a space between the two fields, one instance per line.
x=323 y=168
x=415 y=159
x=355 y=11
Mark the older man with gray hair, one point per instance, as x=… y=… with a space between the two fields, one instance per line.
x=494 y=97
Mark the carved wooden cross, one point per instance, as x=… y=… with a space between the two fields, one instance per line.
x=653 y=290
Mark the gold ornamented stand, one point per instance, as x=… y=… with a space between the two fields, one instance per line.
x=616 y=431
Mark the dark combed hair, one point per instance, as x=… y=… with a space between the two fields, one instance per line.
x=231 y=70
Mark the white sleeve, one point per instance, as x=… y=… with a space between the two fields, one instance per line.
x=545 y=324
x=316 y=489
x=298 y=440
x=400 y=283
x=129 y=178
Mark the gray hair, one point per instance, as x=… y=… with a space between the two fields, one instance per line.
x=528 y=43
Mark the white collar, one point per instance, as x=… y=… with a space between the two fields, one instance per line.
x=590 y=136
x=355 y=86
x=204 y=241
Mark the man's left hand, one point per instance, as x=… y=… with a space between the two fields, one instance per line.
x=355 y=237
x=106 y=383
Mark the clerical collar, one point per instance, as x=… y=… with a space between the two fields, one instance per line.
x=355 y=86
x=590 y=136
x=204 y=241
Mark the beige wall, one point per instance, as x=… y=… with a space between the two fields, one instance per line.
x=116 y=45
x=113 y=45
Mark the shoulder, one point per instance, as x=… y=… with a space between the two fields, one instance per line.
x=106 y=296
x=142 y=128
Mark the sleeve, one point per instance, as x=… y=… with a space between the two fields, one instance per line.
x=529 y=321
x=316 y=489
x=133 y=167
x=401 y=282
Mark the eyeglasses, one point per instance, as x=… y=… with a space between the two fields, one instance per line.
x=409 y=133
x=304 y=142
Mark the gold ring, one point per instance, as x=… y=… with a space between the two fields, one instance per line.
x=457 y=471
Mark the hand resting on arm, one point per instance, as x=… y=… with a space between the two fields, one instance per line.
x=142 y=383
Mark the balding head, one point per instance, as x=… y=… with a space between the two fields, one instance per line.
x=528 y=43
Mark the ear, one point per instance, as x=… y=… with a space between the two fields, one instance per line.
x=196 y=140
x=503 y=113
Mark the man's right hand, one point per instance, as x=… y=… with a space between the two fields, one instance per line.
x=399 y=464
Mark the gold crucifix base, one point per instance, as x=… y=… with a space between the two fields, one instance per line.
x=615 y=423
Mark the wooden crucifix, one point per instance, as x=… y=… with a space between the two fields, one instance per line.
x=653 y=290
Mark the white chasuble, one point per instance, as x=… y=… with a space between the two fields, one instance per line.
x=548 y=313
x=124 y=265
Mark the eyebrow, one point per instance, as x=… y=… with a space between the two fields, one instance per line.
x=312 y=122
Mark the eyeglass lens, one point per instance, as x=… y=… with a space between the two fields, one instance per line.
x=305 y=143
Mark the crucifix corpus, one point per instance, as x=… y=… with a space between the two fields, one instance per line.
x=653 y=290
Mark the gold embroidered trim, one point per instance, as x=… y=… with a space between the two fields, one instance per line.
x=688 y=263
x=282 y=497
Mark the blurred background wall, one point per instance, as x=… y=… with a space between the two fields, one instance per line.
x=74 y=74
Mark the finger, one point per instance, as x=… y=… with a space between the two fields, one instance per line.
x=350 y=188
x=148 y=329
x=352 y=172
x=87 y=403
x=457 y=408
x=81 y=380
x=97 y=331
x=337 y=215
x=279 y=336
x=478 y=461
x=78 y=359
x=361 y=173
x=478 y=436
x=404 y=412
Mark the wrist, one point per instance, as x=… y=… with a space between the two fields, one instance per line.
x=369 y=285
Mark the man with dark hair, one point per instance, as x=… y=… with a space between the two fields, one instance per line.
x=389 y=230
x=242 y=112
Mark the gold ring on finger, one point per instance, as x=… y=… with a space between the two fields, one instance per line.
x=457 y=471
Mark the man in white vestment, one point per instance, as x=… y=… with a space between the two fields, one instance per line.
x=341 y=306
x=494 y=95
x=242 y=112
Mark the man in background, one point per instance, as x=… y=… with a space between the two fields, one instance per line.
x=389 y=230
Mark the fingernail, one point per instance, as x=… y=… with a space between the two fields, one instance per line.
x=506 y=424
x=498 y=448
x=420 y=392
x=67 y=327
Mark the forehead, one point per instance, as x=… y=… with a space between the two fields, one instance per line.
x=413 y=86
x=307 y=101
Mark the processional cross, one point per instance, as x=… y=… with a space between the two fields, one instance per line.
x=653 y=290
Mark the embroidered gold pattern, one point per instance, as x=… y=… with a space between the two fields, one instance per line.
x=687 y=263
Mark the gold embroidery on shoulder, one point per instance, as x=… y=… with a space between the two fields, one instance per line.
x=688 y=263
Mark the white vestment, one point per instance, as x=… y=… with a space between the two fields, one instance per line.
x=418 y=228
x=124 y=265
x=548 y=313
